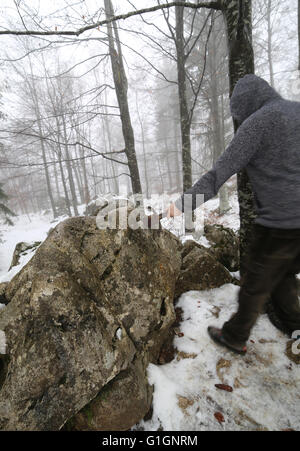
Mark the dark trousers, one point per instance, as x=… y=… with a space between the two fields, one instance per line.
x=271 y=268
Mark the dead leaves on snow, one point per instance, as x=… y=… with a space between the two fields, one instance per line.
x=184 y=355
x=185 y=403
x=221 y=368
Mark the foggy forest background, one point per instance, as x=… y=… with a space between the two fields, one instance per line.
x=62 y=140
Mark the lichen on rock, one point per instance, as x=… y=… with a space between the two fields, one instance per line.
x=65 y=308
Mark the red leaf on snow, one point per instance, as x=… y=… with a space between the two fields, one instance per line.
x=224 y=387
x=219 y=416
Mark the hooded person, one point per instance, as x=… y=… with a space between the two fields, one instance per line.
x=267 y=146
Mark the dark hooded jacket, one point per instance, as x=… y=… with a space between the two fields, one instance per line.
x=267 y=145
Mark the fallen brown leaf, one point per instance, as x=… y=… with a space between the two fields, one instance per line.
x=224 y=387
x=219 y=417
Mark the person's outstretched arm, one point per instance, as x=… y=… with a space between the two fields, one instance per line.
x=236 y=157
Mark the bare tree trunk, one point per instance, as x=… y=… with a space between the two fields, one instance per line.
x=169 y=169
x=185 y=122
x=160 y=176
x=177 y=159
x=55 y=108
x=87 y=197
x=33 y=196
x=77 y=174
x=47 y=176
x=299 y=33
x=106 y=128
x=214 y=99
x=56 y=177
x=22 y=201
x=217 y=129
x=67 y=199
x=143 y=144
x=68 y=205
x=270 y=38
x=69 y=168
x=34 y=96
x=121 y=85
x=94 y=176
x=224 y=205
x=106 y=131
x=238 y=19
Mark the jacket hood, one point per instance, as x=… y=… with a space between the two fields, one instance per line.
x=249 y=95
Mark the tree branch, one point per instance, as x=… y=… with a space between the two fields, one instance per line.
x=210 y=5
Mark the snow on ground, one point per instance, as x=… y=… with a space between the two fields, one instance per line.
x=28 y=229
x=231 y=219
x=265 y=382
x=207 y=214
x=34 y=227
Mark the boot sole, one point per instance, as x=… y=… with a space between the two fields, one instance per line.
x=220 y=341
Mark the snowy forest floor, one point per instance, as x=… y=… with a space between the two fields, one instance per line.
x=265 y=383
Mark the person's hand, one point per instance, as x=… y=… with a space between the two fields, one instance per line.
x=173 y=211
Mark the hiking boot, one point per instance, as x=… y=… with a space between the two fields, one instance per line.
x=276 y=321
x=217 y=336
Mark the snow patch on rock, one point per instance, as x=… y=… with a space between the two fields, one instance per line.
x=24 y=259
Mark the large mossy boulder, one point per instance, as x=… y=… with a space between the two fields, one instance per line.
x=118 y=405
x=108 y=202
x=85 y=317
x=200 y=270
x=224 y=245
